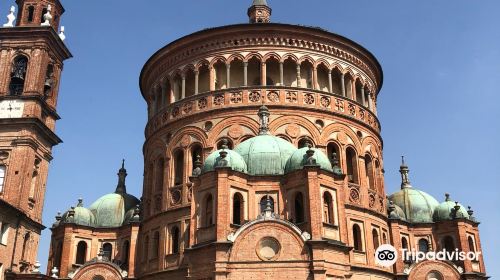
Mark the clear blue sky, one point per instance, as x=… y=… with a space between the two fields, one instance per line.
x=438 y=106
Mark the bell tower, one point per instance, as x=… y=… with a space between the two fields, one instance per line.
x=259 y=12
x=31 y=60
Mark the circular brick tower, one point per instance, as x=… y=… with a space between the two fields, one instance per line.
x=262 y=152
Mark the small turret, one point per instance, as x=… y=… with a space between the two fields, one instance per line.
x=259 y=12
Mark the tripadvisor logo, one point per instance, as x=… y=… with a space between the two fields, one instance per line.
x=386 y=255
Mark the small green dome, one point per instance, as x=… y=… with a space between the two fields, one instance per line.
x=265 y=154
x=80 y=216
x=110 y=210
x=417 y=205
x=234 y=160
x=446 y=210
x=299 y=159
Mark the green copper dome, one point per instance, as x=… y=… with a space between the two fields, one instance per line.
x=79 y=215
x=109 y=210
x=417 y=205
x=299 y=159
x=265 y=154
x=234 y=160
x=446 y=210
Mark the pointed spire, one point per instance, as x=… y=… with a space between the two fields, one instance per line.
x=11 y=17
x=264 y=120
x=404 y=170
x=122 y=174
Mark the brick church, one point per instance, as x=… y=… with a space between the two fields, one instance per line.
x=263 y=160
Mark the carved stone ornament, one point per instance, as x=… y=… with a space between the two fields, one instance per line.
x=354 y=195
x=309 y=99
x=219 y=99
x=235 y=131
x=325 y=102
x=291 y=96
x=273 y=96
x=236 y=97
x=254 y=96
x=293 y=130
x=202 y=103
x=185 y=141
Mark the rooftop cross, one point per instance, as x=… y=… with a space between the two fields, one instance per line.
x=122 y=173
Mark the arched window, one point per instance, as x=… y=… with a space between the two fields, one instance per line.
x=359 y=92
x=18 y=75
x=352 y=166
x=34 y=180
x=238 y=210
x=236 y=79
x=178 y=167
x=376 y=240
x=190 y=82
x=348 y=86
x=273 y=72
x=448 y=244
x=331 y=149
x=81 y=252
x=290 y=72
x=44 y=11
x=156 y=245
x=369 y=172
x=26 y=241
x=145 y=256
x=404 y=243
x=47 y=87
x=195 y=152
x=306 y=74
x=263 y=203
x=209 y=207
x=472 y=247
x=434 y=275
x=220 y=143
x=378 y=176
x=108 y=251
x=220 y=70
x=323 y=78
x=203 y=79
x=254 y=72
x=125 y=253
x=31 y=13
x=177 y=81
x=423 y=245
x=336 y=81
x=356 y=238
x=160 y=173
x=304 y=142
x=175 y=240
x=299 y=208
x=2 y=177
x=328 y=208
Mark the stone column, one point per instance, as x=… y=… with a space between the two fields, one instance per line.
x=183 y=92
x=342 y=83
x=171 y=97
x=330 y=82
x=363 y=98
x=228 y=75
x=315 y=84
x=212 y=78
x=196 y=81
x=282 y=79
x=263 y=74
x=298 y=76
x=245 y=74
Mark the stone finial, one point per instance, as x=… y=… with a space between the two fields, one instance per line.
x=80 y=202
x=36 y=268
x=61 y=34
x=47 y=17
x=446 y=197
x=264 y=120
x=10 y=17
x=197 y=166
x=310 y=160
x=404 y=170
x=122 y=174
x=470 y=211
x=55 y=272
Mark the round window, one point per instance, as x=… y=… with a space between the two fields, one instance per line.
x=268 y=249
